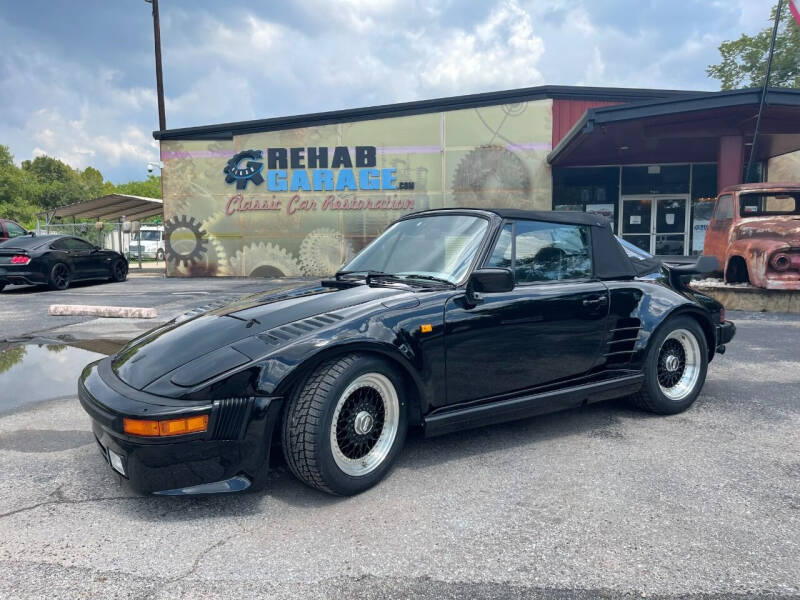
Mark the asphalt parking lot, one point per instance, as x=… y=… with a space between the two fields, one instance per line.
x=23 y=309
x=600 y=502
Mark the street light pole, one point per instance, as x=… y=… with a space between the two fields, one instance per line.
x=763 y=91
x=162 y=119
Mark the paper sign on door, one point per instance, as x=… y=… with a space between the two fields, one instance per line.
x=636 y=220
x=670 y=218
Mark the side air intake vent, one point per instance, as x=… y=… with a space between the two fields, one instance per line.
x=230 y=418
x=622 y=340
x=286 y=333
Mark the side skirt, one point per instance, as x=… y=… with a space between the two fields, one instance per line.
x=530 y=405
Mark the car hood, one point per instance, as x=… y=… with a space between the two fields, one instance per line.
x=167 y=348
x=781 y=228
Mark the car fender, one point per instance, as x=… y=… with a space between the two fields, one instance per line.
x=702 y=317
x=756 y=253
x=280 y=373
x=395 y=334
x=658 y=305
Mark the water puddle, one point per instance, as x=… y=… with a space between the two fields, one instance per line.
x=45 y=370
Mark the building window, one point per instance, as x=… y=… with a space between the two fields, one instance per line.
x=704 y=190
x=588 y=189
x=655 y=179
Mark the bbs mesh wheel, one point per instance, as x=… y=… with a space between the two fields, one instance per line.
x=344 y=426
x=675 y=367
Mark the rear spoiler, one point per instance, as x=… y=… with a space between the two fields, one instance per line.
x=702 y=266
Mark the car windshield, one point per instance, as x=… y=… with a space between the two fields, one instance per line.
x=440 y=247
x=149 y=236
x=633 y=251
x=763 y=205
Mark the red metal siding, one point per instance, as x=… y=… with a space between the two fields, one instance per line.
x=567 y=112
x=730 y=161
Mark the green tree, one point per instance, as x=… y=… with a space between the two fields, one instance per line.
x=744 y=61
x=15 y=191
x=45 y=183
x=10 y=357
x=149 y=188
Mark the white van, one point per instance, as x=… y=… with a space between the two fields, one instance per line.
x=149 y=241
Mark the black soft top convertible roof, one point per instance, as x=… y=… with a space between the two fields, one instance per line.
x=568 y=217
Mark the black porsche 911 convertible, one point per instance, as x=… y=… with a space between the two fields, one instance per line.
x=450 y=319
x=57 y=261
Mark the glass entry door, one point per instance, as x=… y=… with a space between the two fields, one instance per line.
x=656 y=224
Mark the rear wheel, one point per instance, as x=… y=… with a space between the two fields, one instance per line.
x=60 y=277
x=119 y=270
x=345 y=425
x=675 y=367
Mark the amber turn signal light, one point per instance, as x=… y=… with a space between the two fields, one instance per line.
x=165 y=428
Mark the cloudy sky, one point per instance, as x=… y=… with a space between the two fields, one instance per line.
x=77 y=79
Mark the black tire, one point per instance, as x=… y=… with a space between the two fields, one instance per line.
x=655 y=393
x=307 y=435
x=59 y=277
x=159 y=255
x=119 y=271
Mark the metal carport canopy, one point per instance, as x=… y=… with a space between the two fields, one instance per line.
x=111 y=207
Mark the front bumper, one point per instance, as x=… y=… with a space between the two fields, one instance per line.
x=235 y=447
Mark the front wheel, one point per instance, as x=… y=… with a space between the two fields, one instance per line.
x=345 y=425
x=675 y=367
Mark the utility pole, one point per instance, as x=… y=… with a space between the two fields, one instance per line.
x=763 y=91
x=162 y=119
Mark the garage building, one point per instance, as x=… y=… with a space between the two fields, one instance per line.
x=299 y=195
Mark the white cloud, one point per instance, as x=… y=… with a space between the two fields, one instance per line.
x=74 y=141
x=500 y=52
x=225 y=62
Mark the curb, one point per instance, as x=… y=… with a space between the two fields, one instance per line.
x=81 y=310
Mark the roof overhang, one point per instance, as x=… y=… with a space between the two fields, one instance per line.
x=111 y=207
x=684 y=129
x=226 y=131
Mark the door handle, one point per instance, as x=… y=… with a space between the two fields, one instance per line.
x=599 y=301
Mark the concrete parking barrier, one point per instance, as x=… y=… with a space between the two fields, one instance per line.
x=82 y=310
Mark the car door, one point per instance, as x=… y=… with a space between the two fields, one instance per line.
x=85 y=263
x=548 y=329
x=718 y=230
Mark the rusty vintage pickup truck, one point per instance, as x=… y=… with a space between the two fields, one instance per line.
x=755 y=234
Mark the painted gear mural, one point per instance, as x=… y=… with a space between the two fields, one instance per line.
x=491 y=174
x=323 y=251
x=264 y=260
x=187 y=252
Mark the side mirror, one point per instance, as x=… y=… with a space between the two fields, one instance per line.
x=488 y=281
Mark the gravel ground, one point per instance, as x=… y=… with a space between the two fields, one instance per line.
x=602 y=502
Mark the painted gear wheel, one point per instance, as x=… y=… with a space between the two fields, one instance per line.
x=323 y=251
x=491 y=174
x=264 y=260
x=184 y=240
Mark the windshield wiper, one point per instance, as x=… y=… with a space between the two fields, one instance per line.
x=365 y=273
x=427 y=278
